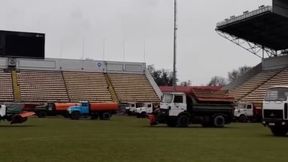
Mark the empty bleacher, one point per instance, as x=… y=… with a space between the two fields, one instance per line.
x=253 y=83
x=133 y=88
x=41 y=86
x=257 y=95
x=6 y=89
x=90 y=86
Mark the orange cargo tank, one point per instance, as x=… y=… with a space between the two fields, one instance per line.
x=64 y=106
x=105 y=106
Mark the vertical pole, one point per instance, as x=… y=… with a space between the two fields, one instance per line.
x=124 y=50
x=175 y=47
x=104 y=46
x=83 y=48
x=144 y=51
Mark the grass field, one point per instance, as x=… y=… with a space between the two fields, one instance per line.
x=127 y=139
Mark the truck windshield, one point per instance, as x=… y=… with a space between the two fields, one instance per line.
x=240 y=106
x=167 y=98
x=139 y=104
x=276 y=94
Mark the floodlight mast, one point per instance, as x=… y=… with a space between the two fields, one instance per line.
x=175 y=44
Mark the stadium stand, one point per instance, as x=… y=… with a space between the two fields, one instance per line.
x=41 y=86
x=65 y=80
x=257 y=95
x=133 y=87
x=6 y=88
x=253 y=83
x=262 y=32
x=251 y=73
x=87 y=86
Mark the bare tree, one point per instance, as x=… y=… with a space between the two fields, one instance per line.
x=162 y=77
x=186 y=83
x=217 y=81
x=235 y=74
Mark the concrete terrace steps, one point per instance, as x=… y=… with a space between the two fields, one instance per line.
x=253 y=83
x=133 y=87
x=90 y=86
x=259 y=94
x=6 y=87
x=36 y=85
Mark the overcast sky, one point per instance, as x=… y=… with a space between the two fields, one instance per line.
x=136 y=30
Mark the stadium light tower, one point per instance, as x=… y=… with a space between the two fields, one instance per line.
x=175 y=45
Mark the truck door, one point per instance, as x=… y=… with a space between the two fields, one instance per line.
x=85 y=108
x=249 y=110
x=2 y=110
x=179 y=105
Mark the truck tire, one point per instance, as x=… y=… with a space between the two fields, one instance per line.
x=279 y=130
x=219 y=121
x=41 y=114
x=183 y=121
x=105 y=116
x=75 y=115
x=243 y=119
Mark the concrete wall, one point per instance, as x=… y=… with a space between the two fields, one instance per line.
x=275 y=63
x=3 y=63
x=125 y=67
x=76 y=65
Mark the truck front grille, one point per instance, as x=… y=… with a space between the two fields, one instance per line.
x=273 y=114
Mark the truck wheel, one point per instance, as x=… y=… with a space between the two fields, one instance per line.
x=41 y=114
x=105 y=116
x=243 y=119
x=183 y=121
x=279 y=131
x=75 y=115
x=219 y=121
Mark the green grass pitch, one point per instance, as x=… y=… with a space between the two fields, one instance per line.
x=127 y=139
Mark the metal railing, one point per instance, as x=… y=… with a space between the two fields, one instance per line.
x=246 y=15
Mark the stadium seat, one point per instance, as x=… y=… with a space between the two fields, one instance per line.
x=6 y=89
x=133 y=87
x=41 y=86
x=90 y=86
x=258 y=95
x=253 y=83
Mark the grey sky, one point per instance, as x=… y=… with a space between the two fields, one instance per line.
x=142 y=29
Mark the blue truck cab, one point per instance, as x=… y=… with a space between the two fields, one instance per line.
x=75 y=112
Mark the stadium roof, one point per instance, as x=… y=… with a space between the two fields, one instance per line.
x=263 y=27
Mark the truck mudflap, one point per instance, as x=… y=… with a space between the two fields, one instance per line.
x=21 y=118
x=152 y=119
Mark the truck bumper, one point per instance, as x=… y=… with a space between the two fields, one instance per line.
x=159 y=118
x=274 y=122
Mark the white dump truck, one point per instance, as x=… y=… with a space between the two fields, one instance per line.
x=247 y=111
x=185 y=105
x=275 y=110
x=143 y=111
